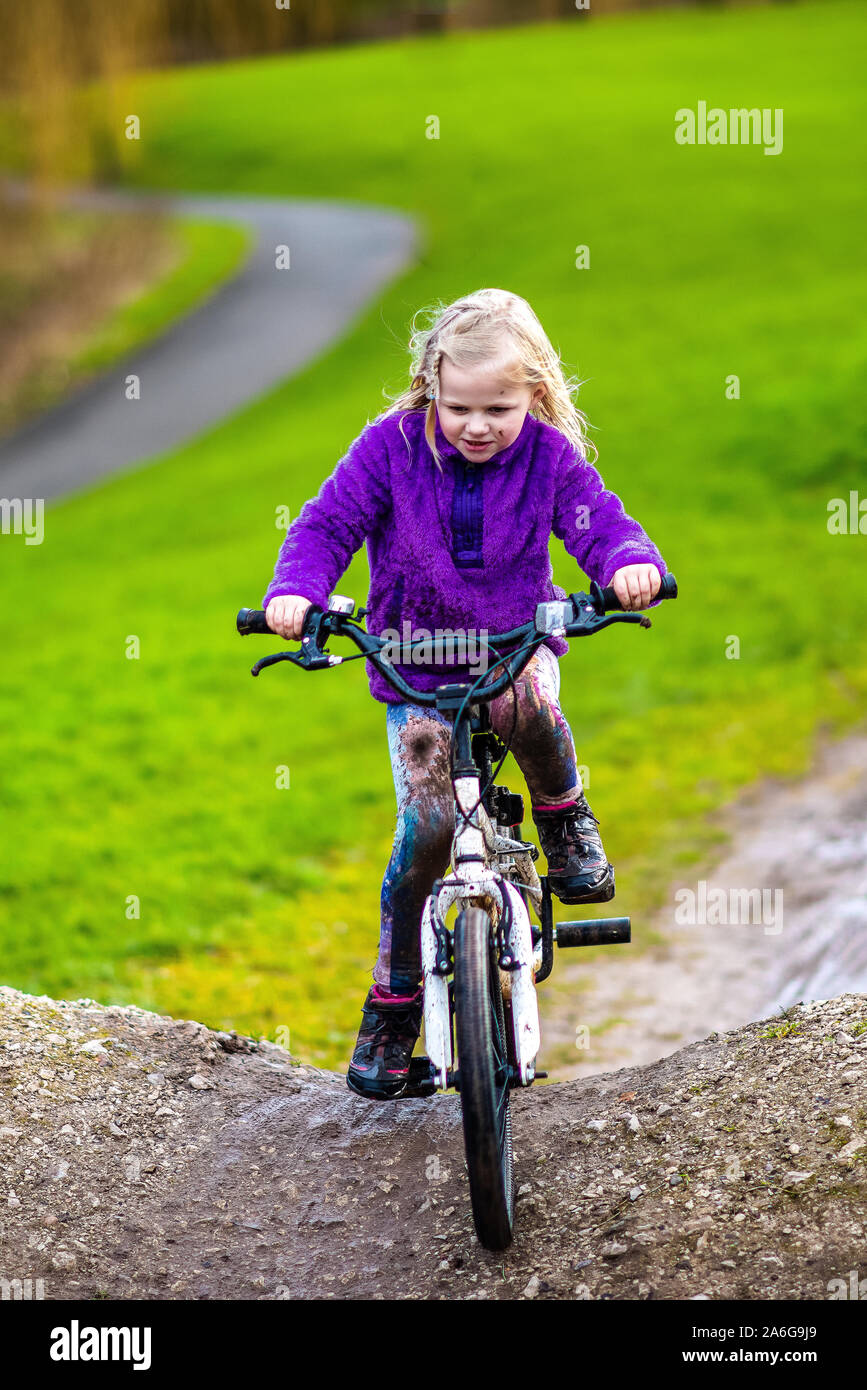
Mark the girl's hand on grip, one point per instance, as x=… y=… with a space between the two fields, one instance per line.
x=285 y=615
x=636 y=585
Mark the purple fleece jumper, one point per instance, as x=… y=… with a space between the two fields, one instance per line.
x=397 y=500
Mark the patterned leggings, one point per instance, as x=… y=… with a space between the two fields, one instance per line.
x=418 y=741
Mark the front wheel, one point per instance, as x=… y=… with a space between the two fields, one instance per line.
x=483 y=1064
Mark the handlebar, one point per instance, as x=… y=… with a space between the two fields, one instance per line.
x=580 y=615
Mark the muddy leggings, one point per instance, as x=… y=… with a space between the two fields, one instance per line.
x=418 y=740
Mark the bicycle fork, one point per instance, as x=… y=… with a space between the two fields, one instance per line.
x=476 y=884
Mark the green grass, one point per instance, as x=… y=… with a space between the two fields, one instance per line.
x=156 y=777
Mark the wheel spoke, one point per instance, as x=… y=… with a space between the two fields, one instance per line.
x=502 y=1116
x=501 y=1062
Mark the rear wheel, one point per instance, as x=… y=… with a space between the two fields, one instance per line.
x=483 y=1063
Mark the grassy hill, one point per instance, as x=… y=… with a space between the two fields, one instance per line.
x=154 y=778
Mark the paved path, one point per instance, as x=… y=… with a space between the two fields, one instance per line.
x=260 y=328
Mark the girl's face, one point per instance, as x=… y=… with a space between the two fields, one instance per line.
x=481 y=410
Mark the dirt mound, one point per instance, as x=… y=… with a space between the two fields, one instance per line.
x=145 y=1157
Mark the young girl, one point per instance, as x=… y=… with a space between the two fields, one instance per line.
x=457 y=489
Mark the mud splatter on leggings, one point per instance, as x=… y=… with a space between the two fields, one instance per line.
x=418 y=741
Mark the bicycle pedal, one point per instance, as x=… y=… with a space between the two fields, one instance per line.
x=420 y=1082
x=595 y=931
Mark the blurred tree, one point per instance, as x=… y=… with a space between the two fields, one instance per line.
x=432 y=17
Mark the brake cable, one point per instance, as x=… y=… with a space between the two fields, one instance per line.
x=466 y=816
x=477 y=685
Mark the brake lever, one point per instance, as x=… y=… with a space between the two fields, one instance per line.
x=307 y=663
x=272 y=661
x=640 y=618
x=589 y=626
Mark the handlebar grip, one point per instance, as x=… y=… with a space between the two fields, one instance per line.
x=611 y=603
x=251 y=620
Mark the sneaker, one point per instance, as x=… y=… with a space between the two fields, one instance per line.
x=389 y=1031
x=578 y=868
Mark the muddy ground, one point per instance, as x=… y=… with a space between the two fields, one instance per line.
x=148 y=1158
x=805 y=841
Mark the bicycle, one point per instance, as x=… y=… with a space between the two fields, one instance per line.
x=480 y=977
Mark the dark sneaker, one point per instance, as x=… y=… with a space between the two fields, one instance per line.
x=389 y=1031
x=578 y=868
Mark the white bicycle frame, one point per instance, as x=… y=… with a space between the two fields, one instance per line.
x=484 y=881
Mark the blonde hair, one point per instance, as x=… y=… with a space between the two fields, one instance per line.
x=473 y=330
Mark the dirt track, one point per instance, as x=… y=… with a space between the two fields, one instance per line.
x=160 y=1165
x=806 y=839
